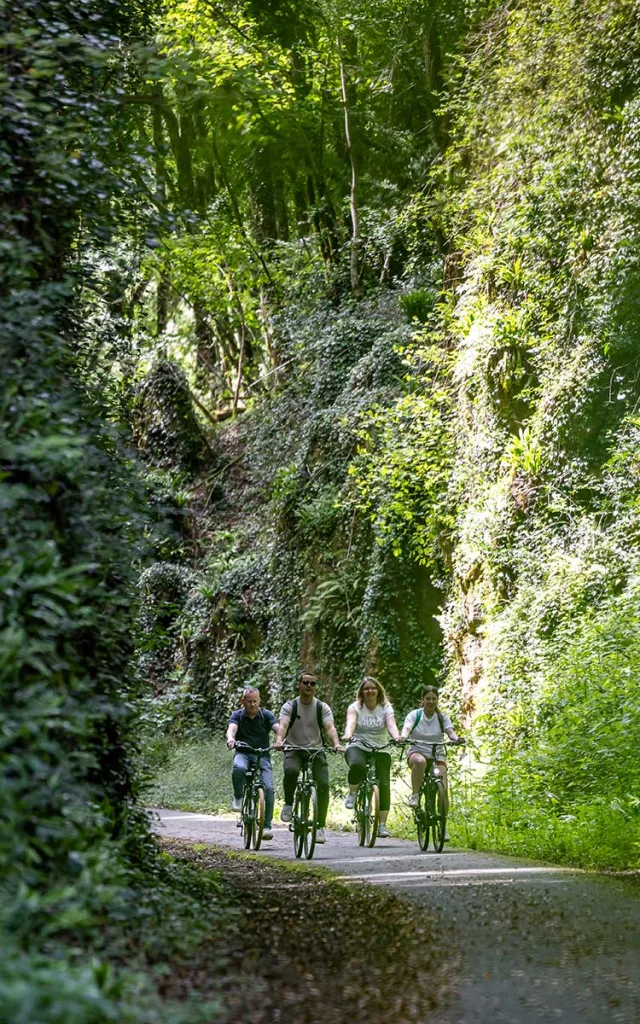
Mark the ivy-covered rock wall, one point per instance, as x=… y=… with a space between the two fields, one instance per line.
x=539 y=199
x=436 y=471
x=294 y=574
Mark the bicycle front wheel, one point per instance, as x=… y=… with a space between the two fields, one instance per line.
x=300 y=813
x=372 y=815
x=248 y=811
x=258 y=818
x=438 y=817
x=361 y=820
x=423 y=821
x=311 y=824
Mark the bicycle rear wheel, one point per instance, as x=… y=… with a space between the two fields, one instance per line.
x=247 y=815
x=311 y=824
x=421 y=814
x=258 y=817
x=299 y=818
x=372 y=815
x=438 y=817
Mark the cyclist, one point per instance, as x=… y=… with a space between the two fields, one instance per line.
x=423 y=727
x=252 y=725
x=369 y=719
x=302 y=722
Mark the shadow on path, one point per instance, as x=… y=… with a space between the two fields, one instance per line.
x=537 y=942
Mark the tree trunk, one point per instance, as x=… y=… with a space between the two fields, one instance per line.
x=354 y=271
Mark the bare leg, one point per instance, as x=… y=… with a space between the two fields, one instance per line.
x=418 y=765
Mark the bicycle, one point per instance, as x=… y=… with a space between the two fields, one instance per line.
x=253 y=800
x=430 y=814
x=367 y=806
x=304 y=819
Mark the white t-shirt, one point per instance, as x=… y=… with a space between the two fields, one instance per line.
x=426 y=732
x=371 y=726
x=304 y=732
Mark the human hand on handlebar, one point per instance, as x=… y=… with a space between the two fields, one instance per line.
x=231 y=744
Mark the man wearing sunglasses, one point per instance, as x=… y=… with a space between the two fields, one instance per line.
x=302 y=722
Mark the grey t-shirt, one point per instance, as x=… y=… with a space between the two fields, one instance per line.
x=304 y=732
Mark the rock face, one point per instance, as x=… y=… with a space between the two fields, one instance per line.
x=165 y=425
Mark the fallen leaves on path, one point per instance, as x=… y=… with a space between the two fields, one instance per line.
x=306 y=949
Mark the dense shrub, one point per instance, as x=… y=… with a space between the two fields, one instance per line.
x=541 y=616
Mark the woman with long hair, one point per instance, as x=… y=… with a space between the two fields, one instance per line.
x=370 y=720
x=422 y=728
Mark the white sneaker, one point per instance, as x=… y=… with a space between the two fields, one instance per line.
x=350 y=802
x=286 y=813
x=447 y=837
x=267 y=834
x=236 y=803
x=413 y=799
x=320 y=836
x=384 y=832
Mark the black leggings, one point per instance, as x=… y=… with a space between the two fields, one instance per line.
x=356 y=758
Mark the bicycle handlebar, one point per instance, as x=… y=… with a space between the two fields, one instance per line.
x=370 y=746
x=280 y=750
x=440 y=743
x=311 y=750
x=254 y=750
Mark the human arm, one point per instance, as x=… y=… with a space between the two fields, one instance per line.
x=281 y=731
x=447 y=727
x=232 y=729
x=332 y=734
x=409 y=723
x=392 y=727
x=350 y=725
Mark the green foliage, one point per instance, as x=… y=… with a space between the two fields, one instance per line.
x=418 y=304
x=401 y=475
x=83 y=891
x=537 y=201
x=409 y=255
x=196 y=776
x=164 y=421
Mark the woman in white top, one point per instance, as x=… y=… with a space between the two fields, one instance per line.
x=423 y=727
x=370 y=720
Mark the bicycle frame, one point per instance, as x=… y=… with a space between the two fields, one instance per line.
x=430 y=813
x=367 y=806
x=253 y=798
x=304 y=821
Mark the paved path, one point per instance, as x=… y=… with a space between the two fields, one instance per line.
x=538 y=943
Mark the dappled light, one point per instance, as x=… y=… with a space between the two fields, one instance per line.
x=320 y=355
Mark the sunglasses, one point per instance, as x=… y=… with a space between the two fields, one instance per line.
x=308 y=682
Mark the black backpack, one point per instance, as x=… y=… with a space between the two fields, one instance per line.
x=294 y=715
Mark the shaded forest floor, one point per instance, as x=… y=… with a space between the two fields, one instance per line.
x=519 y=941
x=305 y=948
